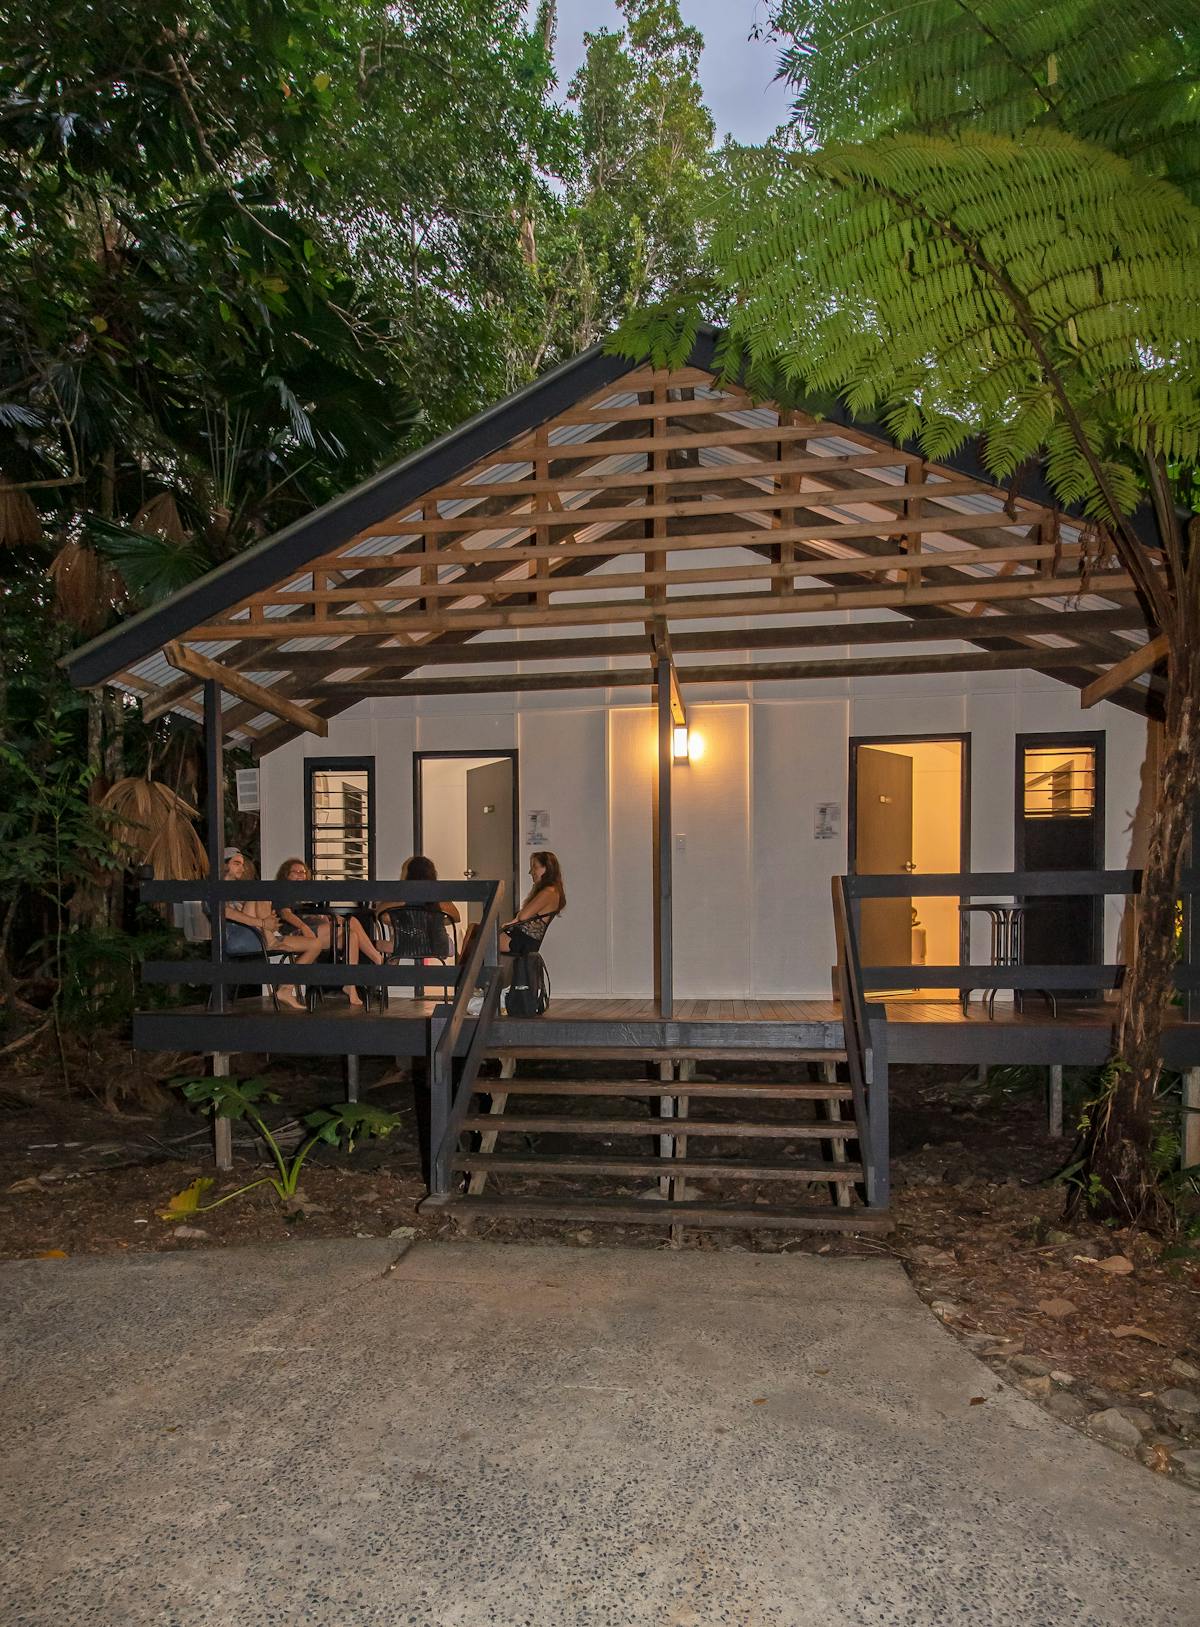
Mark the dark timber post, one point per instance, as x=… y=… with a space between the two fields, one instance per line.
x=664 y=978
x=877 y=1160
x=440 y=1077
x=214 y=807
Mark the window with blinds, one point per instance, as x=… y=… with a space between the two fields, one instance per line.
x=340 y=819
x=1059 y=782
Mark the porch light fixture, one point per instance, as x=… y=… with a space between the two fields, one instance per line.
x=687 y=746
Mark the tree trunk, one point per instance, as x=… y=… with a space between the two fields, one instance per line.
x=1118 y=1182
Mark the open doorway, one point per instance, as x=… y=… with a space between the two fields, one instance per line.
x=465 y=818
x=909 y=813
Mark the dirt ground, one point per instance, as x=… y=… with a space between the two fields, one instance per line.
x=1089 y=1321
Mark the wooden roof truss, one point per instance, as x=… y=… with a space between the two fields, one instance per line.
x=616 y=517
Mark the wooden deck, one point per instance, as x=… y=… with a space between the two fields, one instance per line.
x=918 y=1030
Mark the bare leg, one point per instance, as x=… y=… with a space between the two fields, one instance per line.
x=306 y=951
x=358 y=943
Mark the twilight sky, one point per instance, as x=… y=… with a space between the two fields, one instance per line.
x=737 y=73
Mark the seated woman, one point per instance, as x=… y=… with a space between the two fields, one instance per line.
x=546 y=898
x=439 y=911
x=252 y=926
x=351 y=935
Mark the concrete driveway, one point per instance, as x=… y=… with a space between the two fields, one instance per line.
x=544 y=1437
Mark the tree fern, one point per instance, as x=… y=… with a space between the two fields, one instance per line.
x=1127 y=80
x=943 y=273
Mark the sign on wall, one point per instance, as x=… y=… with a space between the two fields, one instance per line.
x=537 y=827
x=827 y=821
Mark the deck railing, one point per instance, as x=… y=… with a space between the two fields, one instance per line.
x=221 y=972
x=1001 y=886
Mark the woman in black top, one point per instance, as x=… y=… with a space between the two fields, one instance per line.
x=546 y=898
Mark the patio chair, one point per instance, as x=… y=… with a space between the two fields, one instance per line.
x=527 y=937
x=410 y=934
x=254 y=957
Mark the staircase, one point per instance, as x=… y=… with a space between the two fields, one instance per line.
x=687 y=1151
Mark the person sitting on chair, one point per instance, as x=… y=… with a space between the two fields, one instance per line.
x=352 y=936
x=419 y=868
x=252 y=927
x=546 y=898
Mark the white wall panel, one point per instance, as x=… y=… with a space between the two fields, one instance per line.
x=630 y=916
x=711 y=858
x=564 y=769
x=798 y=760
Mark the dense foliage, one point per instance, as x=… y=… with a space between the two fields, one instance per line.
x=251 y=250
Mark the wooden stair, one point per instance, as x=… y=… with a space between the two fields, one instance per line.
x=787 y=1135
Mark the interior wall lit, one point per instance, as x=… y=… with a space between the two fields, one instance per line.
x=936 y=840
x=444 y=813
x=1059 y=784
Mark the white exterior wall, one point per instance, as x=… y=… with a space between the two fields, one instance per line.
x=752 y=884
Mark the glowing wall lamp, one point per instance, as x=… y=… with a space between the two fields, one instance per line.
x=687 y=745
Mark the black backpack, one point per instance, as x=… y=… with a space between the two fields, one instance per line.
x=529 y=990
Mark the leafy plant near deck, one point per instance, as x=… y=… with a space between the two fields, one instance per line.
x=343 y=1125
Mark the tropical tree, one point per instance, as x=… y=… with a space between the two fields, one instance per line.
x=628 y=227
x=986 y=222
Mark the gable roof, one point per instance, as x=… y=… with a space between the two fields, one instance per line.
x=441 y=508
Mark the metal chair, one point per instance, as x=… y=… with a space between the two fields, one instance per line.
x=253 y=957
x=531 y=934
x=413 y=934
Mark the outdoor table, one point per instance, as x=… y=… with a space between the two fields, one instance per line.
x=1007 y=937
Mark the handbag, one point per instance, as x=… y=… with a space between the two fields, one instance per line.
x=529 y=988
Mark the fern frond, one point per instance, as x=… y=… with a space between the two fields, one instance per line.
x=948 y=282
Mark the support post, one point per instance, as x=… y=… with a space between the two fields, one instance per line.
x=1055 y=1103
x=351 y=1078
x=214 y=808
x=837 y=1147
x=222 y=1127
x=1190 y=1134
x=879 y=1184
x=440 y=1072
x=664 y=990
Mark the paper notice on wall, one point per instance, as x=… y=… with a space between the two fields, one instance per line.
x=537 y=828
x=827 y=821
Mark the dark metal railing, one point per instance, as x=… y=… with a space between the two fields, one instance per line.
x=480 y=974
x=866 y=1054
x=1017 y=885
x=222 y=971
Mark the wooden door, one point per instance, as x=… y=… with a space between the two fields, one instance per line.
x=883 y=847
x=490 y=830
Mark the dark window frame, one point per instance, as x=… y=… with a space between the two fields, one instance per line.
x=343 y=765
x=1067 y=740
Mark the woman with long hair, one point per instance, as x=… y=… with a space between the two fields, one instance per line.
x=546 y=898
x=251 y=924
x=350 y=931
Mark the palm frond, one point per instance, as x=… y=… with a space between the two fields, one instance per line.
x=85 y=590
x=20 y=522
x=157 y=828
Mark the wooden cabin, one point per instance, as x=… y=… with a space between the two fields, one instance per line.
x=822 y=732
